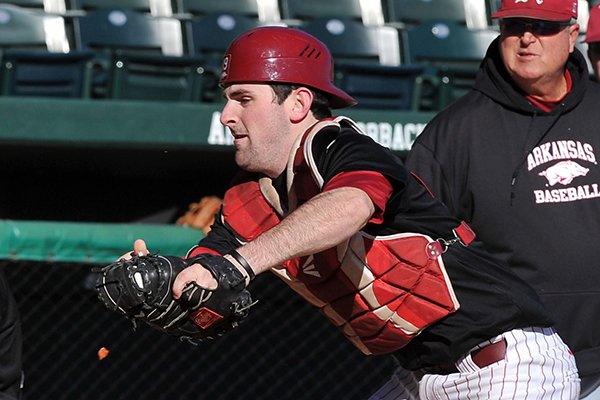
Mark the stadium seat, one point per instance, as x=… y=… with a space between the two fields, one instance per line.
x=136 y=76
x=115 y=28
x=27 y=28
x=296 y=12
x=381 y=87
x=305 y=10
x=263 y=10
x=35 y=4
x=349 y=39
x=44 y=74
x=447 y=43
x=451 y=51
x=21 y=28
x=367 y=62
x=105 y=31
x=161 y=8
x=209 y=36
x=410 y=13
x=49 y=6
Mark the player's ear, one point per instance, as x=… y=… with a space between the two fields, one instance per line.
x=300 y=102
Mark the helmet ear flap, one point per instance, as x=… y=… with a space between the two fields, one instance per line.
x=282 y=55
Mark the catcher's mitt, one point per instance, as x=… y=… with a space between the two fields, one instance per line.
x=201 y=215
x=141 y=289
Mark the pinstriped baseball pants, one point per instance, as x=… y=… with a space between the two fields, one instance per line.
x=538 y=366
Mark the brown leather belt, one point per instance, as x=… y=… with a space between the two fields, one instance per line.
x=482 y=357
x=489 y=354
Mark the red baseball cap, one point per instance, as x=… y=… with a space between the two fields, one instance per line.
x=593 y=28
x=548 y=10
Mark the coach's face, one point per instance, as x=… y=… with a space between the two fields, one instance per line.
x=260 y=128
x=535 y=53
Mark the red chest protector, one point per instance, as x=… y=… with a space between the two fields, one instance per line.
x=380 y=291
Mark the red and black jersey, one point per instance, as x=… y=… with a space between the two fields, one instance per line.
x=492 y=299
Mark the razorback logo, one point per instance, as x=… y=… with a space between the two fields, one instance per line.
x=563 y=172
x=205 y=318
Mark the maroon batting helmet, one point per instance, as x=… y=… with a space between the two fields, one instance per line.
x=282 y=55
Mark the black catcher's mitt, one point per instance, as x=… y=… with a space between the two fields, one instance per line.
x=141 y=289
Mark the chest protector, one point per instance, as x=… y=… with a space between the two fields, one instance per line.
x=379 y=291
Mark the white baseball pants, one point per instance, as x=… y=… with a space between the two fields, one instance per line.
x=538 y=366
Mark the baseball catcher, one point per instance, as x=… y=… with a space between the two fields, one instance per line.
x=141 y=289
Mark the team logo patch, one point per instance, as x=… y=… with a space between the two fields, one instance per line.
x=564 y=172
x=225 y=66
x=205 y=318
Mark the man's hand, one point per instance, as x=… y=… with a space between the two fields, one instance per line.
x=195 y=273
x=139 y=249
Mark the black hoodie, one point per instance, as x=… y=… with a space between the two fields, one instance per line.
x=528 y=183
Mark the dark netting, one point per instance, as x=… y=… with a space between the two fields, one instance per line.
x=284 y=350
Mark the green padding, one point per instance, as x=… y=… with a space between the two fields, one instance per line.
x=88 y=242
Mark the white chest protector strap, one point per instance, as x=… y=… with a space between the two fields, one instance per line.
x=380 y=291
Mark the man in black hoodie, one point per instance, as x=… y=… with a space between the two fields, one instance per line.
x=517 y=158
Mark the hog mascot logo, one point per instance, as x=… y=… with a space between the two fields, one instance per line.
x=564 y=172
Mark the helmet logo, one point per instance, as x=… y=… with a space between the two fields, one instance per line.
x=225 y=67
x=310 y=52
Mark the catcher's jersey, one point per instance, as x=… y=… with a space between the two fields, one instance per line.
x=490 y=299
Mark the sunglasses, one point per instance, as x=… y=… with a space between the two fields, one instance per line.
x=517 y=27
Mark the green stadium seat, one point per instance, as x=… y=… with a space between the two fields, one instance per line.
x=453 y=53
x=196 y=8
x=209 y=36
x=21 y=28
x=305 y=10
x=115 y=28
x=381 y=87
x=297 y=12
x=106 y=31
x=44 y=74
x=349 y=39
x=157 y=7
x=136 y=76
x=367 y=63
x=410 y=13
x=35 y=4
x=29 y=28
x=57 y=7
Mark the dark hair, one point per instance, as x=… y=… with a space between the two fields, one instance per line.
x=320 y=106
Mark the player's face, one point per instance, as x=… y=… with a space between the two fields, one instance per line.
x=260 y=128
x=535 y=52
